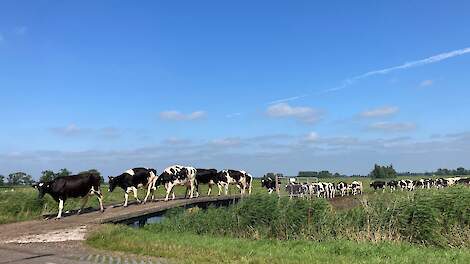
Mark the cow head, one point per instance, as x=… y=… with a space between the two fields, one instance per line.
x=43 y=188
x=112 y=183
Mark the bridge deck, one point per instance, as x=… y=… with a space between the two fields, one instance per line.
x=78 y=225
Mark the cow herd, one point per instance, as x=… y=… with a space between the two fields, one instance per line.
x=330 y=190
x=410 y=185
x=87 y=184
x=318 y=189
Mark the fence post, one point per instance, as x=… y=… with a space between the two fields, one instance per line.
x=277 y=186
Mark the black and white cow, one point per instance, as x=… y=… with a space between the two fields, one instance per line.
x=342 y=187
x=241 y=179
x=177 y=175
x=356 y=187
x=82 y=185
x=133 y=179
x=393 y=185
x=269 y=183
x=464 y=181
x=377 y=185
x=440 y=183
x=406 y=185
x=296 y=189
x=206 y=176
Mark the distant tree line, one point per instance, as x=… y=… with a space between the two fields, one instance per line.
x=460 y=171
x=22 y=178
x=383 y=172
x=319 y=174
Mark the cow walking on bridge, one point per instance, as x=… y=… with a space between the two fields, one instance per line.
x=75 y=186
x=133 y=179
x=177 y=175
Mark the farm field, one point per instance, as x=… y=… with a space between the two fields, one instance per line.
x=22 y=203
x=426 y=226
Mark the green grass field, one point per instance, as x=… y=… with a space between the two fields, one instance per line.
x=192 y=248
x=23 y=205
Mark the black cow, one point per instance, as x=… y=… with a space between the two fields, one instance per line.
x=206 y=176
x=269 y=183
x=82 y=185
x=177 y=175
x=378 y=185
x=241 y=179
x=133 y=179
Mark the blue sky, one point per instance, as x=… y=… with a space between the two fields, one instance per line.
x=257 y=85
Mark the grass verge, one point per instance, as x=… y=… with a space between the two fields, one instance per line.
x=191 y=248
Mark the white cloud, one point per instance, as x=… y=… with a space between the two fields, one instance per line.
x=312 y=137
x=426 y=83
x=301 y=113
x=393 y=126
x=380 y=112
x=69 y=130
x=178 y=116
x=21 y=30
x=233 y=115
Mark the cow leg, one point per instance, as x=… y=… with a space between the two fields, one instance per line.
x=126 y=196
x=84 y=202
x=169 y=188
x=220 y=189
x=192 y=188
x=226 y=189
x=99 y=195
x=134 y=190
x=61 y=207
x=149 y=190
x=209 y=190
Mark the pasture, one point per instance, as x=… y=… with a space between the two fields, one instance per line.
x=429 y=226
x=22 y=204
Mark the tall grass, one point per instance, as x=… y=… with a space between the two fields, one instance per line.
x=427 y=217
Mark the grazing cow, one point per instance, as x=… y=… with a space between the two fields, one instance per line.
x=406 y=185
x=356 y=188
x=206 y=176
x=294 y=189
x=452 y=181
x=393 y=185
x=342 y=187
x=133 y=179
x=463 y=181
x=440 y=183
x=177 y=175
x=269 y=184
x=241 y=179
x=82 y=185
x=324 y=189
x=378 y=185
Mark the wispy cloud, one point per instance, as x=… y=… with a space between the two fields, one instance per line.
x=426 y=83
x=67 y=131
x=178 y=116
x=288 y=99
x=393 y=126
x=21 y=30
x=233 y=115
x=301 y=113
x=380 y=112
x=406 y=65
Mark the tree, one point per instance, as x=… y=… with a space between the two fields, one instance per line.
x=383 y=172
x=63 y=172
x=47 y=175
x=94 y=171
x=2 y=180
x=19 y=178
